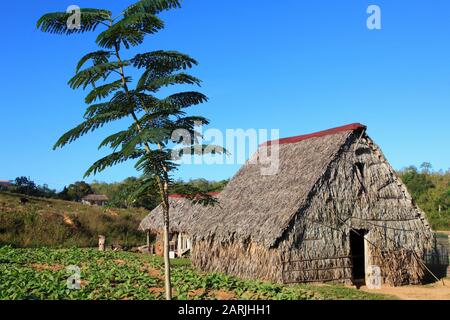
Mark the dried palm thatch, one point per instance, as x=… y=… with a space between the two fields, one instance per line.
x=295 y=226
x=96 y=197
x=182 y=216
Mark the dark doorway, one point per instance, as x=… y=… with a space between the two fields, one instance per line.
x=357 y=253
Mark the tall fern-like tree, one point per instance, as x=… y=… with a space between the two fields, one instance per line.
x=113 y=96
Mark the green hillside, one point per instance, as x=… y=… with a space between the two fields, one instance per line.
x=57 y=223
x=431 y=191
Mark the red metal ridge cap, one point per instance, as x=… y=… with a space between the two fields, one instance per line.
x=179 y=196
x=349 y=127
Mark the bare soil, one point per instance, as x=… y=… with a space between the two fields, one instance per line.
x=435 y=291
x=222 y=294
x=120 y=262
x=153 y=272
x=160 y=291
x=196 y=293
x=41 y=267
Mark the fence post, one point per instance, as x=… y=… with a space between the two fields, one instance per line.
x=101 y=243
x=448 y=256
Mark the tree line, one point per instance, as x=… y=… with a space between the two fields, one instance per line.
x=429 y=188
x=126 y=194
x=431 y=191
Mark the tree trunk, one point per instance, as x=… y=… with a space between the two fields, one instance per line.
x=162 y=184
x=166 y=255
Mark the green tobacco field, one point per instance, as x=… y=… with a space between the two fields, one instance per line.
x=42 y=273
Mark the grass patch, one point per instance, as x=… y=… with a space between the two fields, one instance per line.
x=336 y=292
x=441 y=235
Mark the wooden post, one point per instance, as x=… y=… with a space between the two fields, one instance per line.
x=448 y=267
x=101 y=243
x=148 y=241
x=179 y=244
x=367 y=259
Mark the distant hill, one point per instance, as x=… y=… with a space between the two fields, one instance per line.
x=36 y=222
x=431 y=191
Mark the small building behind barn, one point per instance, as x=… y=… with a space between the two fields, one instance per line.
x=5 y=184
x=182 y=217
x=334 y=209
x=95 y=200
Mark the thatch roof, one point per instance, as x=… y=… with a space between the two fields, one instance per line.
x=259 y=208
x=5 y=183
x=96 y=197
x=182 y=215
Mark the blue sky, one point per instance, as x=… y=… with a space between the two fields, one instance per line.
x=298 y=66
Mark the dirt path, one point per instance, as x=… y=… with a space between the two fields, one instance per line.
x=435 y=291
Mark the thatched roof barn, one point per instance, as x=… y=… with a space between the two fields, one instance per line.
x=95 y=199
x=335 y=207
x=182 y=218
x=182 y=215
x=5 y=183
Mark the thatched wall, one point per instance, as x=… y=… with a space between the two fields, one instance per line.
x=295 y=226
x=246 y=260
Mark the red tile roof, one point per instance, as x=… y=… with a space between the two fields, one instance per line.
x=349 y=127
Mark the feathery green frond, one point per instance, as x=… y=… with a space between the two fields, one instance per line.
x=116 y=139
x=56 y=22
x=131 y=101
x=147 y=135
x=154 y=84
x=163 y=62
x=130 y=31
x=147 y=184
x=155 y=162
x=152 y=6
x=160 y=118
x=199 y=150
x=97 y=57
x=112 y=160
x=122 y=104
x=185 y=99
x=87 y=126
x=187 y=125
x=190 y=122
x=104 y=91
x=92 y=74
x=94 y=109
